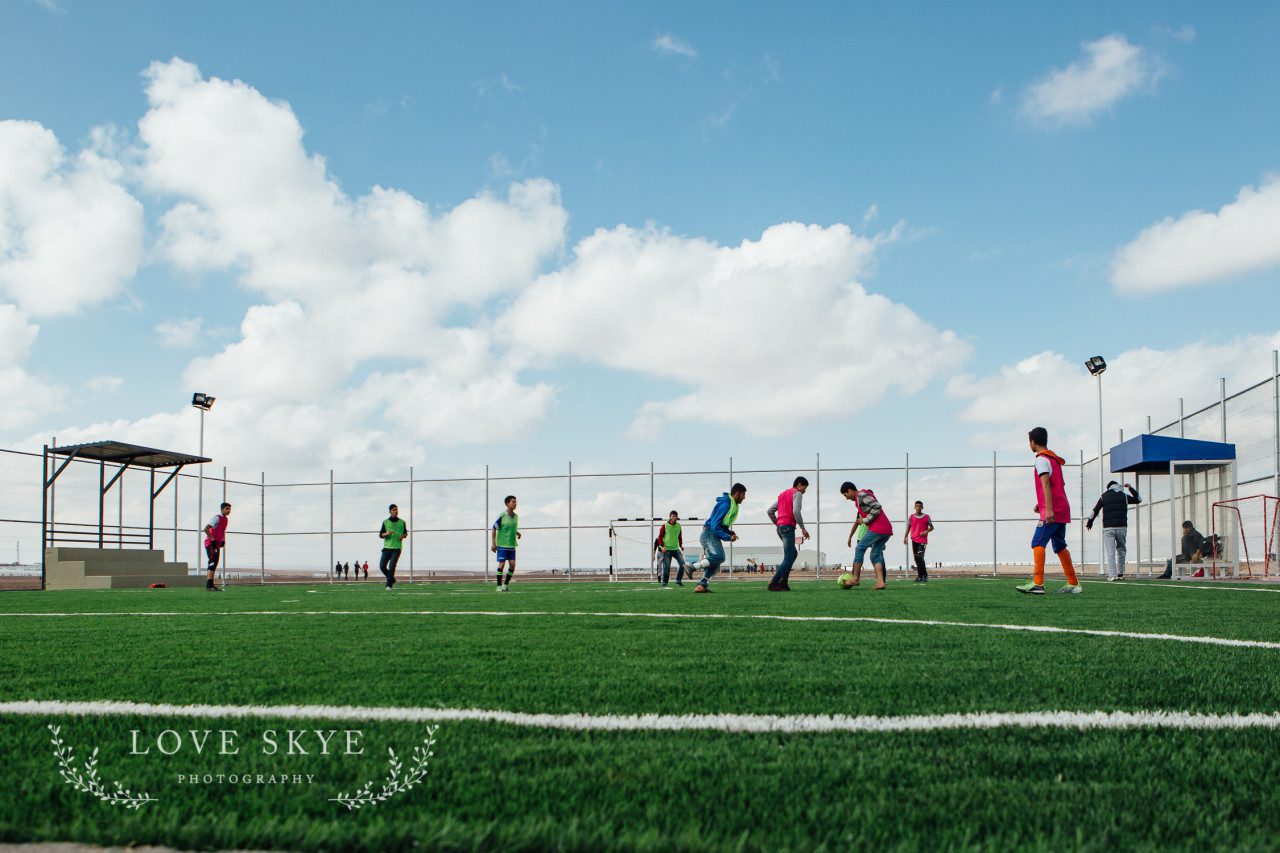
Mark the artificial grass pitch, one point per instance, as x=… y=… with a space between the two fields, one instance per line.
x=501 y=786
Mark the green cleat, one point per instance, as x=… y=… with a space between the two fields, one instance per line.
x=1071 y=589
x=1030 y=589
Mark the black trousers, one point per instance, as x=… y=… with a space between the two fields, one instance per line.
x=213 y=551
x=387 y=565
x=917 y=551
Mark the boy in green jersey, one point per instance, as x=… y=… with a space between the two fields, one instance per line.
x=505 y=536
x=393 y=533
x=672 y=541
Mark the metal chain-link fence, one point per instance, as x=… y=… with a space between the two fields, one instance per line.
x=570 y=520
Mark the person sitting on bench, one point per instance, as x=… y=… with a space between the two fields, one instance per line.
x=1192 y=549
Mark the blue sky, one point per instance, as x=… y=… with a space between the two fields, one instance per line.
x=982 y=214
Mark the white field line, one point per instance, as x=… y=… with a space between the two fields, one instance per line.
x=1199 y=586
x=993 y=626
x=741 y=723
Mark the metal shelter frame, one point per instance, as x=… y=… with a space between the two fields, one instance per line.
x=114 y=453
x=1166 y=455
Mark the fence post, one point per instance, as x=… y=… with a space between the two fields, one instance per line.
x=1222 y=403
x=1083 y=559
x=177 y=481
x=730 y=541
x=1275 y=384
x=1151 y=519
x=412 y=536
x=484 y=524
x=331 y=553
x=223 y=555
x=44 y=511
x=995 y=517
x=570 y=519
x=652 y=509
x=817 y=503
x=1182 y=428
x=262 y=530
x=906 y=513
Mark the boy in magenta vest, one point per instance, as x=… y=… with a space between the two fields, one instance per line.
x=215 y=539
x=872 y=514
x=786 y=517
x=1055 y=515
x=919 y=526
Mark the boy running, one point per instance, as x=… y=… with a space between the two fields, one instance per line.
x=872 y=518
x=919 y=526
x=786 y=517
x=215 y=539
x=715 y=531
x=505 y=537
x=393 y=533
x=671 y=540
x=1055 y=515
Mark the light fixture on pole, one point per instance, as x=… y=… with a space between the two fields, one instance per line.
x=204 y=403
x=1096 y=367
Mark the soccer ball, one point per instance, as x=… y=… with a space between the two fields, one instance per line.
x=845 y=581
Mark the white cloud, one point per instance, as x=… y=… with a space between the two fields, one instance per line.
x=671 y=45
x=104 y=384
x=502 y=81
x=341 y=281
x=1199 y=246
x=1111 y=69
x=180 y=331
x=773 y=325
x=23 y=397
x=1054 y=391
x=70 y=234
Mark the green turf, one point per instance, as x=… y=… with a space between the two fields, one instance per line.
x=495 y=786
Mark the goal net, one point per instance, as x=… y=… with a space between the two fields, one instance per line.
x=631 y=551
x=1244 y=533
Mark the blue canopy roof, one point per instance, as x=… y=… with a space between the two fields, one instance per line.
x=1151 y=454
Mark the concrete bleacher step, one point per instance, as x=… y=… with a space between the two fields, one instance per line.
x=92 y=568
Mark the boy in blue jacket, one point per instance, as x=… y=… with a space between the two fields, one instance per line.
x=715 y=532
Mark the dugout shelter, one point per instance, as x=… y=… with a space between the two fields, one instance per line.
x=76 y=556
x=1200 y=475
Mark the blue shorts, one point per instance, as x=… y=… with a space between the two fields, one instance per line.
x=506 y=555
x=1046 y=533
x=873 y=542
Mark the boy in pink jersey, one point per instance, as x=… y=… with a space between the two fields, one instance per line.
x=870 y=513
x=919 y=526
x=1055 y=514
x=215 y=539
x=786 y=517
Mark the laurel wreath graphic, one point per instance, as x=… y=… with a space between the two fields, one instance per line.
x=399 y=779
x=88 y=781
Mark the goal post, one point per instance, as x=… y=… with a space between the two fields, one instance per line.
x=1246 y=530
x=631 y=551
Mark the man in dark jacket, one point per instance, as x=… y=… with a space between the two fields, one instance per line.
x=1114 y=506
x=1192 y=549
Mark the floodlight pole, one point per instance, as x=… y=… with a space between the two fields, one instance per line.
x=1101 y=479
x=200 y=491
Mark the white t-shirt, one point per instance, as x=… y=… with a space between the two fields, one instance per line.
x=1043 y=466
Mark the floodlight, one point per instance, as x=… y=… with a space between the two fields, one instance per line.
x=1096 y=365
x=202 y=401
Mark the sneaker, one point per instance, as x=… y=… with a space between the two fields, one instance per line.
x=924 y=579
x=1198 y=574
x=505 y=588
x=212 y=589
x=786 y=586
x=1070 y=589
x=917 y=579
x=773 y=587
x=1112 y=579
x=501 y=589
x=700 y=588
x=664 y=586
x=1030 y=589
x=678 y=583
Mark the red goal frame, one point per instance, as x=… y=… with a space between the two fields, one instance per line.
x=1270 y=525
